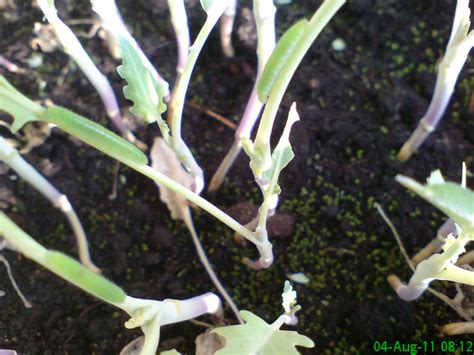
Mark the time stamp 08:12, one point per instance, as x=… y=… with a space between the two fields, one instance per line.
x=445 y=346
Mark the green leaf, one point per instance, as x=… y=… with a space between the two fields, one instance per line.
x=283 y=153
x=94 y=134
x=142 y=89
x=258 y=337
x=260 y=156
x=284 y=48
x=454 y=200
x=77 y=274
x=21 y=108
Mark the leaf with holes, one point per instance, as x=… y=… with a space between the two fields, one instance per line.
x=258 y=337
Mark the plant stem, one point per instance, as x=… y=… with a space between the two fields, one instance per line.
x=319 y=20
x=22 y=241
x=442 y=95
x=27 y=172
x=457 y=274
x=460 y=43
x=458 y=328
x=74 y=49
x=175 y=109
x=181 y=29
x=264 y=14
x=205 y=262
x=227 y=24
x=264 y=248
x=4 y=62
x=194 y=198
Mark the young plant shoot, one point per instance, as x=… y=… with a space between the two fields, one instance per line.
x=147 y=93
x=74 y=49
x=276 y=76
x=113 y=23
x=147 y=314
x=258 y=337
x=214 y=10
x=268 y=183
x=457 y=50
x=24 y=110
x=264 y=14
x=457 y=202
x=12 y=158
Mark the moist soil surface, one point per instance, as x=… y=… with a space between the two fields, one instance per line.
x=357 y=106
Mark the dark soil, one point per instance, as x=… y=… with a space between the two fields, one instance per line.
x=357 y=108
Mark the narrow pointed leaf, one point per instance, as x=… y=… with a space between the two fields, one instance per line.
x=279 y=57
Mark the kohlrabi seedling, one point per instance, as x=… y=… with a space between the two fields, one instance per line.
x=214 y=10
x=74 y=49
x=271 y=87
x=113 y=23
x=258 y=337
x=264 y=15
x=25 y=110
x=174 y=168
x=457 y=202
x=457 y=50
x=147 y=314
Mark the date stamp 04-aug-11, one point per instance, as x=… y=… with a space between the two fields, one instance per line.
x=424 y=347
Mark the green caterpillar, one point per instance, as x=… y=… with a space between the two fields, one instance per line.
x=77 y=274
x=94 y=134
x=285 y=46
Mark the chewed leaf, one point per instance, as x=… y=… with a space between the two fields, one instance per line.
x=142 y=89
x=454 y=200
x=283 y=153
x=258 y=337
x=279 y=57
x=164 y=160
